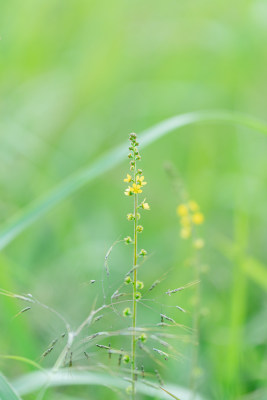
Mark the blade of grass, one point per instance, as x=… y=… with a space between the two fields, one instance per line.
x=170 y=394
x=6 y=390
x=12 y=228
x=235 y=347
x=31 y=382
x=256 y=271
x=22 y=359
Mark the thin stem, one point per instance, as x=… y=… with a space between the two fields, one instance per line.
x=196 y=317
x=134 y=295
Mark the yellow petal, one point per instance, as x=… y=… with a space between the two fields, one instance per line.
x=198 y=218
x=145 y=206
x=182 y=210
x=128 y=179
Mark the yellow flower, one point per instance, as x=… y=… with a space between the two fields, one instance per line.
x=140 y=180
x=145 y=206
x=185 y=233
x=198 y=218
x=128 y=179
x=136 y=188
x=193 y=205
x=128 y=191
x=182 y=210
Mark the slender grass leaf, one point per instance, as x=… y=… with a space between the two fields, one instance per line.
x=22 y=359
x=11 y=229
x=256 y=271
x=6 y=390
x=170 y=394
x=34 y=381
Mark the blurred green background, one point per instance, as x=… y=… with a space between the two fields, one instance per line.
x=75 y=78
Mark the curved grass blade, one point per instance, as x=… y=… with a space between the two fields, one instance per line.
x=12 y=228
x=34 y=381
x=170 y=394
x=22 y=359
x=6 y=390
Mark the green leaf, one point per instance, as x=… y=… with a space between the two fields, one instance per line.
x=34 y=381
x=6 y=390
x=11 y=229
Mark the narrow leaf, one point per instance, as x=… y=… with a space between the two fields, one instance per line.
x=6 y=390
x=42 y=206
x=34 y=381
x=172 y=395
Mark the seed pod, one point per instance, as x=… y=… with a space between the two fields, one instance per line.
x=153 y=285
x=159 y=377
x=163 y=316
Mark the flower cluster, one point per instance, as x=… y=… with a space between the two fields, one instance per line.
x=136 y=181
x=190 y=215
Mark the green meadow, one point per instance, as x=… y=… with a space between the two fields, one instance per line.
x=189 y=78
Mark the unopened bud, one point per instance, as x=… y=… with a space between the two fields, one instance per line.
x=127 y=240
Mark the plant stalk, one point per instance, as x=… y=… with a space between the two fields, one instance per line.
x=134 y=297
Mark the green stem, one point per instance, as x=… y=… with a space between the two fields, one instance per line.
x=134 y=296
x=196 y=320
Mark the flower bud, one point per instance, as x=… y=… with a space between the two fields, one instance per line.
x=126 y=359
x=143 y=337
x=139 y=285
x=133 y=136
x=127 y=280
x=145 y=206
x=127 y=240
x=127 y=312
x=143 y=252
